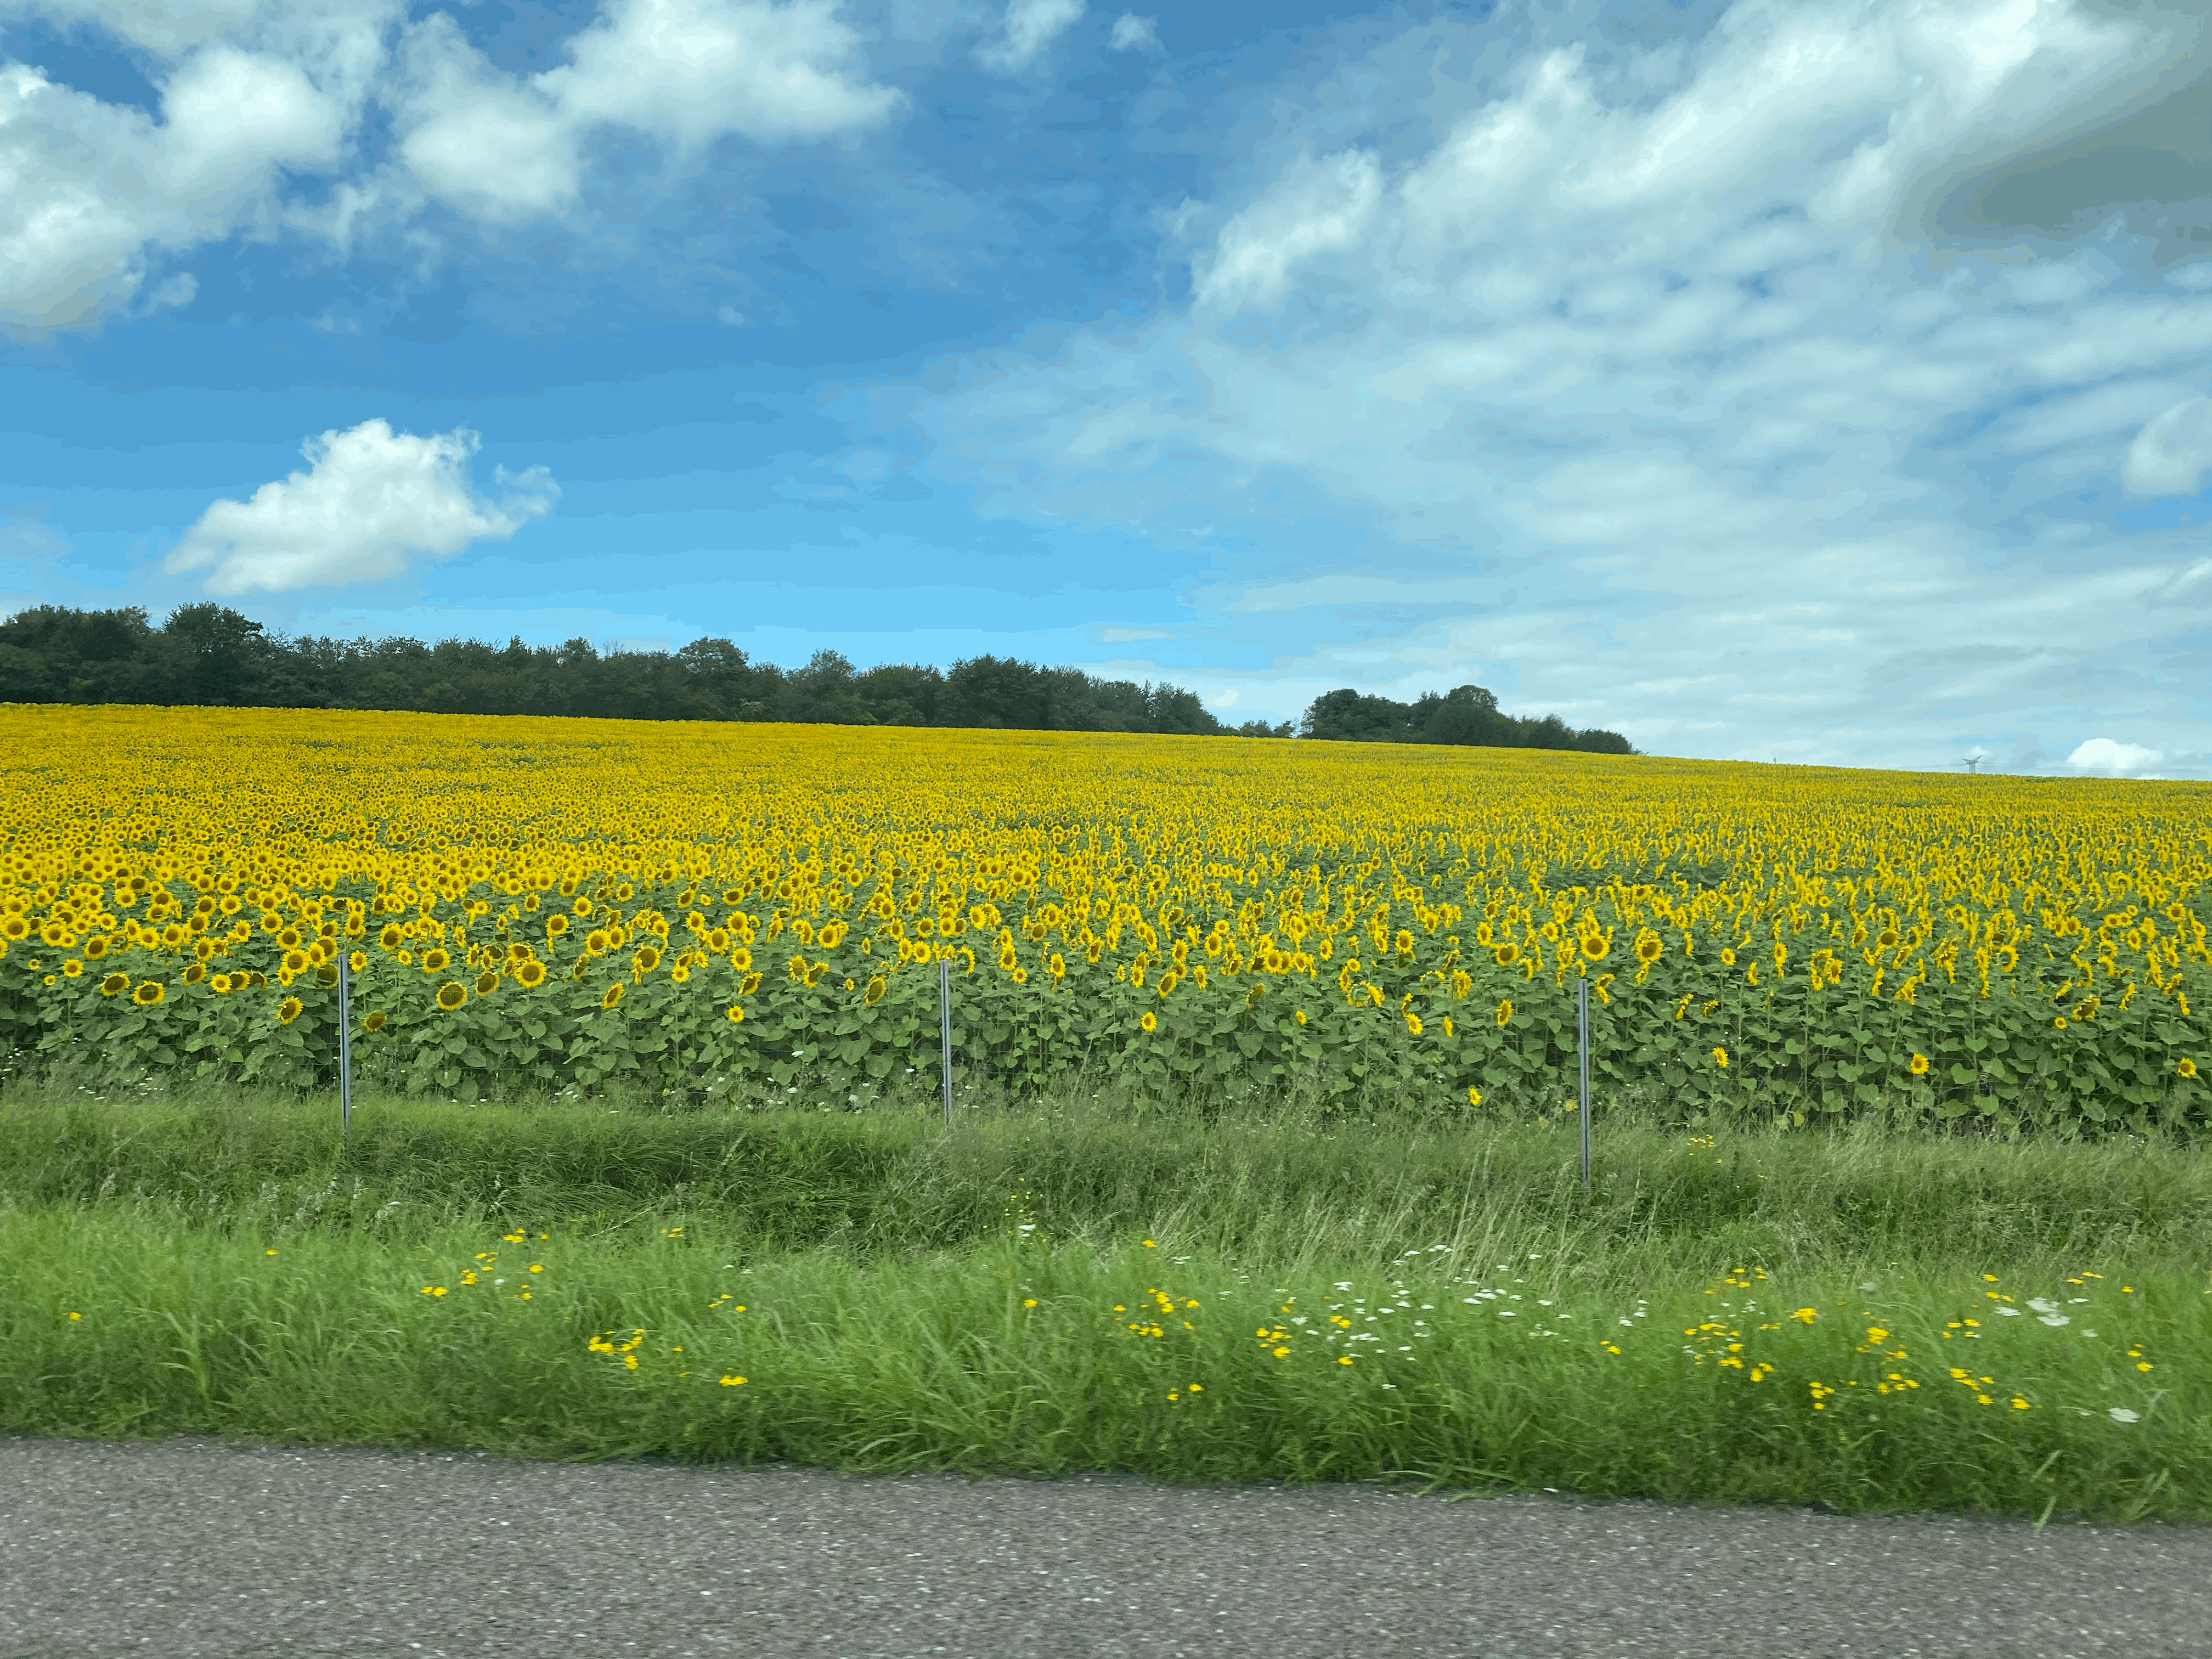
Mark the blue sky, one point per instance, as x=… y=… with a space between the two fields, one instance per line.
x=1828 y=383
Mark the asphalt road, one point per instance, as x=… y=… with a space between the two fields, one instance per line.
x=197 y=1550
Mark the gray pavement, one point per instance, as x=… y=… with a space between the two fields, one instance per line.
x=198 y=1550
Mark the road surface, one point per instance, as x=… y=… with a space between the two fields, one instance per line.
x=194 y=1549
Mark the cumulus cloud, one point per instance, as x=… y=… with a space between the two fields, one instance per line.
x=2119 y=759
x=255 y=92
x=1030 y=26
x=371 y=503
x=2171 y=454
x=87 y=187
x=685 y=72
x=1643 y=391
x=1135 y=33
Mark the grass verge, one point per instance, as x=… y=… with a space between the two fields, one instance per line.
x=1863 y=1320
x=1898 y=1392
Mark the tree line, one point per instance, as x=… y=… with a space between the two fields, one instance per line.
x=208 y=654
x=1465 y=714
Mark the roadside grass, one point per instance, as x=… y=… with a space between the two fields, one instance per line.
x=1791 y=1310
x=1015 y=1354
x=1277 y=1193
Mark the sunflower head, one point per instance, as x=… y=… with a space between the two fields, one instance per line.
x=113 y=984
x=1149 y=1021
x=487 y=982
x=529 y=972
x=435 y=960
x=451 y=994
x=148 y=993
x=389 y=936
x=374 y=1021
x=1594 y=946
x=2186 y=1067
x=874 y=994
x=288 y=1011
x=737 y=1015
x=1919 y=1065
x=611 y=995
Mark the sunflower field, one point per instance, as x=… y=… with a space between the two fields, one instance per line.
x=716 y=912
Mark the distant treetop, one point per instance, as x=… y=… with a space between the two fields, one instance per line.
x=1465 y=714
x=208 y=655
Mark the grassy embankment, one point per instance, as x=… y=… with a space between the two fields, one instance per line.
x=1865 y=1320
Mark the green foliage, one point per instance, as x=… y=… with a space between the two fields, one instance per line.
x=1465 y=716
x=1024 y=1354
x=1266 y=1181
x=208 y=655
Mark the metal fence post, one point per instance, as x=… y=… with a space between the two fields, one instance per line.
x=345 y=1051
x=1583 y=1100
x=944 y=1028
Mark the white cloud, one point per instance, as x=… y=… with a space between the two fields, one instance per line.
x=85 y=187
x=2119 y=759
x=93 y=193
x=691 y=70
x=2171 y=454
x=1135 y=33
x=1630 y=380
x=1029 y=27
x=372 y=502
x=165 y=28
x=686 y=72
x=1315 y=209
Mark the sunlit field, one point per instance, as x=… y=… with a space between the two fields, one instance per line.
x=1264 y=1158
x=705 y=913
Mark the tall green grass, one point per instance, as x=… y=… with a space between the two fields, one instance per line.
x=990 y=1297
x=1251 y=1189
x=1035 y=1355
